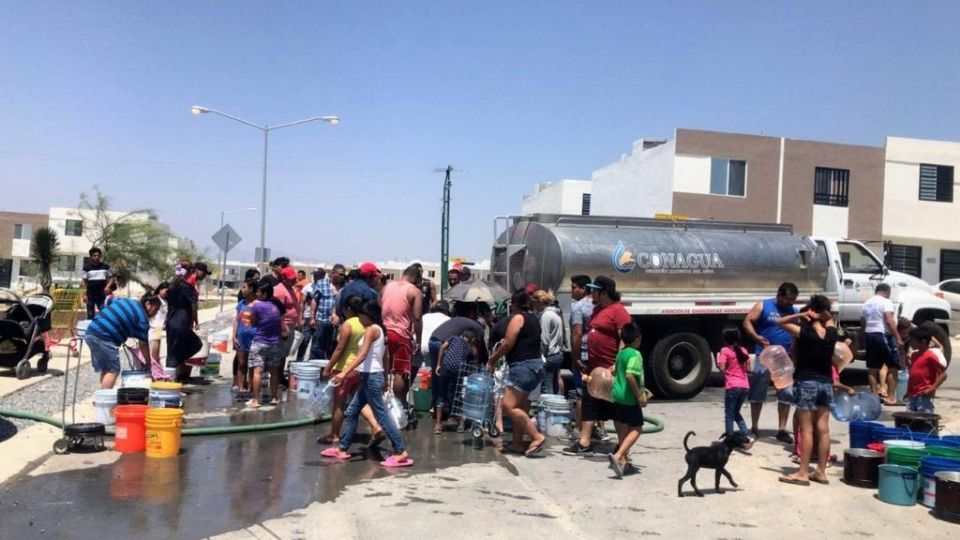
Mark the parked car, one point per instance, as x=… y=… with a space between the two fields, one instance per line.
x=949 y=290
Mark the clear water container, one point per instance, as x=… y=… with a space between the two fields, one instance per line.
x=477 y=393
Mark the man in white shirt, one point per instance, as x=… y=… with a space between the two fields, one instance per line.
x=878 y=318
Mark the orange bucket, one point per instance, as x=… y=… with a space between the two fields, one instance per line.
x=130 y=435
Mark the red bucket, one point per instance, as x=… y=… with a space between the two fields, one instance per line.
x=131 y=432
x=877 y=447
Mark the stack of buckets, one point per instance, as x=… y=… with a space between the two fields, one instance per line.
x=153 y=428
x=916 y=464
x=212 y=367
x=422 y=392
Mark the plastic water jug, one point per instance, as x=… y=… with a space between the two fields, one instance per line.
x=903 y=376
x=322 y=404
x=862 y=406
x=776 y=359
x=396 y=410
x=477 y=391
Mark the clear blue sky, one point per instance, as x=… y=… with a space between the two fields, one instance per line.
x=510 y=93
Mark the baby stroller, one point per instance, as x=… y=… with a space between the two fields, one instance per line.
x=23 y=323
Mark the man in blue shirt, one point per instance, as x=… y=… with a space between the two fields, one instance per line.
x=761 y=325
x=364 y=287
x=322 y=302
x=123 y=319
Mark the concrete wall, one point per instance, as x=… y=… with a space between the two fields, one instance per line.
x=905 y=214
x=694 y=148
x=561 y=197
x=639 y=185
x=9 y=247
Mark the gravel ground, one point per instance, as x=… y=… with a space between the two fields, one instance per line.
x=45 y=398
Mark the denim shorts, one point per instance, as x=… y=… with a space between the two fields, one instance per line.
x=921 y=404
x=525 y=376
x=104 y=355
x=265 y=355
x=760 y=383
x=811 y=395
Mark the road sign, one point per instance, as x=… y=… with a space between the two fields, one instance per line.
x=226 y=238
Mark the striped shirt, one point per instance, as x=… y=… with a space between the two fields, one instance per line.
x=124 y=318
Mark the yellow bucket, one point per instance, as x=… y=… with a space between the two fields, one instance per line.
x=163 y=432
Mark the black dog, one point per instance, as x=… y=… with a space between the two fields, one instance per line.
x=714 y=457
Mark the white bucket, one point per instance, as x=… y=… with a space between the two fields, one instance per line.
x=308 y=377
x=556 y=415
x=916 y=445
x=170 y=372
x=165 y=399
x=104 y=402
x=135 y=379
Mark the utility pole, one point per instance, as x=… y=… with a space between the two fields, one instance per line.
x=445 y=232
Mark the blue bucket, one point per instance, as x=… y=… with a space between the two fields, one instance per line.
x=898 y=485
x=860 y=433
x=953 y=440
x=883 y=433
x=929 y=467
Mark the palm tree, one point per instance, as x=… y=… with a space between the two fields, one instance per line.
x=45 y=250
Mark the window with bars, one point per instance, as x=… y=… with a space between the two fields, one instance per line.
x=585 y=204
x=904 y=259
x=831 y=187
x=67 y=263
x=949 y=264
x=936 y=183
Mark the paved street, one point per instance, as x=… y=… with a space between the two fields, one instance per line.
x=276 y=485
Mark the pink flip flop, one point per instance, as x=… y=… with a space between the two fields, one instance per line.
x=394 y=461
x=333 y=452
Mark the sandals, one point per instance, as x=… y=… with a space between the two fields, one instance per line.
x=376 y=439
x=329 y=439
x=395 y=461
x=437 y=431
x=822 y=481
x=794 y=481
x=535 y=449
x=615 y=466
x=335 y=453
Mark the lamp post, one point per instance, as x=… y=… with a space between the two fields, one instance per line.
x=223 y=267
x=332 y=120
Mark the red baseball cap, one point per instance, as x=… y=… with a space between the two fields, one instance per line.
x=369 y=269
x=288 y=272
x=532 y=288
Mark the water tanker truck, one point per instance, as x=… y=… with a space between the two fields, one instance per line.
x=683 y=282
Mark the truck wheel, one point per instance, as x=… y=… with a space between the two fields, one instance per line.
x=680 y=365
x=942 y=336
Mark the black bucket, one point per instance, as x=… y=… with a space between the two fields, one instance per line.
x=133 y=396
x=861 y=467
x=917 y=422
x=947 y=504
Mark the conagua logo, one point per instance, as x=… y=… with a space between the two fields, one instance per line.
x=625 y=261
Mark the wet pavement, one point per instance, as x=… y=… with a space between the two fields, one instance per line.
x=217 y=483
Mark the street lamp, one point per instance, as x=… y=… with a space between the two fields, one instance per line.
x=223 y=268
x=332 y=120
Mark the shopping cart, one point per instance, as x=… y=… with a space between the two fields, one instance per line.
x=479 y=404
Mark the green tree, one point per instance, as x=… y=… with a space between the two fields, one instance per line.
x=45 y=251
x=135 y=244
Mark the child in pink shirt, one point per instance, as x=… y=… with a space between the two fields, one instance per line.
x=734 y=361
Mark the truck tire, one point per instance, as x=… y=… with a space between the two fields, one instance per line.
x=942 y=336
x=680 y=365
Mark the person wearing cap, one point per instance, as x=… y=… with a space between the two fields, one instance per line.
x=401 y=304
x=286 y=293
x=364 y=286
x=609 y=317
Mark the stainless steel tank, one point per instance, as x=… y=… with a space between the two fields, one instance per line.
x=655 y=257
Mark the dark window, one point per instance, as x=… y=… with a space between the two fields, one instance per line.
x=951 y=286
x=74 y=227
x=831 y=187
x=67 y=263
x=21 y=231
x=904 y=259
x=936 y=183
x=949 y=264
x=728 y=177
x=29 y=268
x=585 y=205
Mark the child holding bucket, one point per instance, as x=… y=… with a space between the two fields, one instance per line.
x=266 y=315
x=926 y=372
x=372 y=362
x=243 y=334
x=629 y=397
